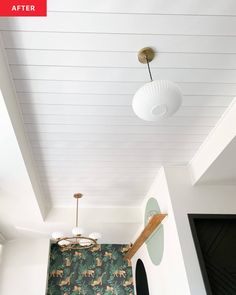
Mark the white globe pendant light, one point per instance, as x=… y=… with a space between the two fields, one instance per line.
x=57 y=235
x=77 y=231
x=157 y=99
x=95 y=236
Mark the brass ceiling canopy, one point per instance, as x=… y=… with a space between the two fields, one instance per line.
x=146 y=55
x=78 y=195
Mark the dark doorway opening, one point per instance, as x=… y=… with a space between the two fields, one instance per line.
x=141 y=279
x=215 y=241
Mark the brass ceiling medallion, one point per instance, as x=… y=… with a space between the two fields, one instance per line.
x=146 y=55
x=77 y=241
x=78 y=195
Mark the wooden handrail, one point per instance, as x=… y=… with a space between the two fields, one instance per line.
x=146 y=233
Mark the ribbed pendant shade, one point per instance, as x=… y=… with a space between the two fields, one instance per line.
x=157 y=100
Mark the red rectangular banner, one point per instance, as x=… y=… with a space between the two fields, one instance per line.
x=23 y=8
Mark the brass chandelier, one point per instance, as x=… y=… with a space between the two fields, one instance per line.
x=77 y=240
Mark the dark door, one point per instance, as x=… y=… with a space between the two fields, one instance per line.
x=215 y=240
x=141 y=279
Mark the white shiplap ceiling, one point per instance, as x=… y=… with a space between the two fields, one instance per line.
x=75 y=73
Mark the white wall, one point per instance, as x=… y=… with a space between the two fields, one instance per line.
x=23 y=268
x=187 y=198
x=169 y=277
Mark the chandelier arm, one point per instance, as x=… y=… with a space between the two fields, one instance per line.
x=149 y=70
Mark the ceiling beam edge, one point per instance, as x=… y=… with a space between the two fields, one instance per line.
x=216 y=142
x=9 y=94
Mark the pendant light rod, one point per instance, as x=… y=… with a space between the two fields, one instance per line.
x=77 y=215
x=77 y=196
x=149 y=70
